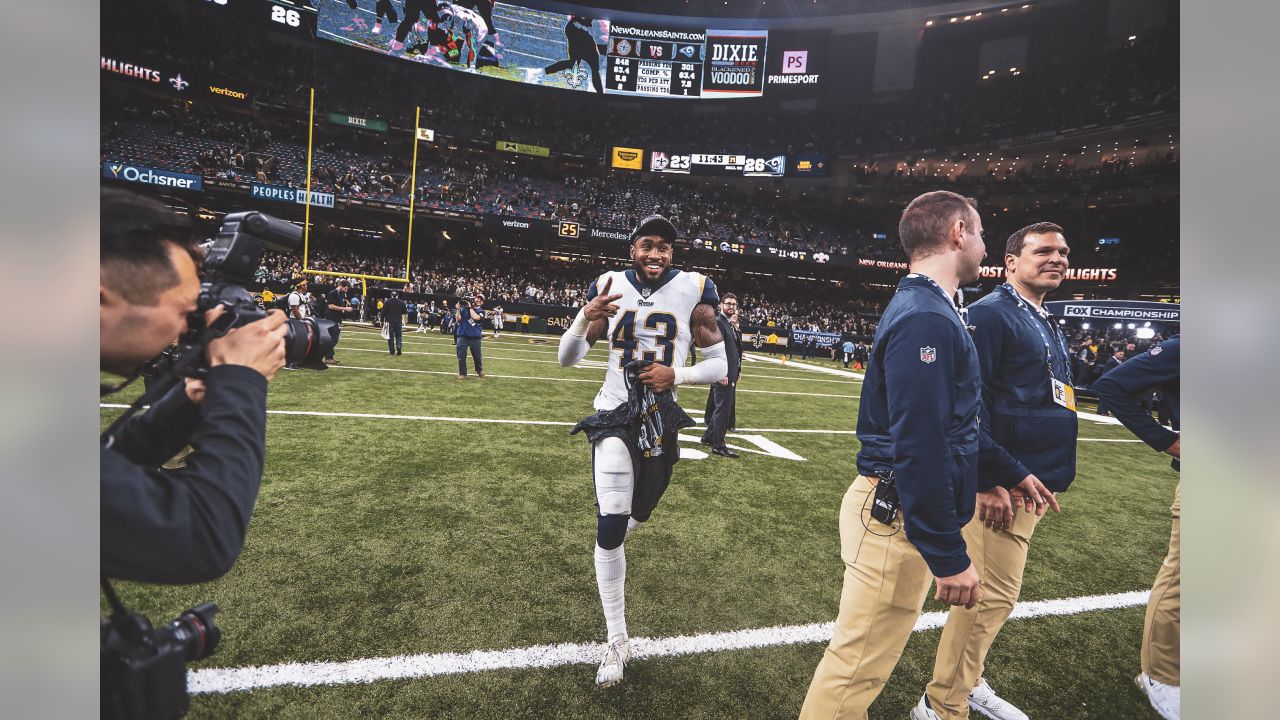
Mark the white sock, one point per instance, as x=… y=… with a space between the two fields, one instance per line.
x=611 y=577
x=632 y=524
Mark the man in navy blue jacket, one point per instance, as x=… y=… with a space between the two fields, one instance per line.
x=918 y=425
x=1123 y=389
x=469 y=318
x=1029 y=435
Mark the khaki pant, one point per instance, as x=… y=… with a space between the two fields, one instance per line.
x=999 y=556
x=885 y=584
x=1161 y=644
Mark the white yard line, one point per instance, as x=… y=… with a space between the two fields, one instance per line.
x=401 y=667
x=686 y=388
x=800 y=365
x=502 y=421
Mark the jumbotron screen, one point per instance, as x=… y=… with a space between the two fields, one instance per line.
x=571 y=51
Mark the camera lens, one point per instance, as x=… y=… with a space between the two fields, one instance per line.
x=308 y=341
x=196 y=633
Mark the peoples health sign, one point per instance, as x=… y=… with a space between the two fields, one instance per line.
x=281 y=193
x=150 y=176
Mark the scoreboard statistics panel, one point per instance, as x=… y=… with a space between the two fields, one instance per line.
x=717 y=164
x=654 y=61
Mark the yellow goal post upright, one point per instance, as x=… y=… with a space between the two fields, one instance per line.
x=306 y=226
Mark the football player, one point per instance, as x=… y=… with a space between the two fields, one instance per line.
x=652 y=312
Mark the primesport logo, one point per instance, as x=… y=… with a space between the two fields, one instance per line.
x=795 y=62
x=150 y=176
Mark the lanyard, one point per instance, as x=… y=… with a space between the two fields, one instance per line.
x=960 y=309
x=1039 y=322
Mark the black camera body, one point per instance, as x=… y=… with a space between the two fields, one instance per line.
x=230 y=261
x=144 y=669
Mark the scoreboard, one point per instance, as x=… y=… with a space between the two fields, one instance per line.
x=294 y=17
x=717 y=164
x=656 y=61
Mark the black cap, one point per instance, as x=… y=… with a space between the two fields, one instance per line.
x=655 y=225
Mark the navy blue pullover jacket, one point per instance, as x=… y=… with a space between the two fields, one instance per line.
x=1027 y=432
x=919 y=416
x=468 y=327
x=1158 y=368
x=188 y=525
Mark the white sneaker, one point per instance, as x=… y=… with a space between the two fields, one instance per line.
x=615 y=659
x=1166 y=699
x=377 y=27
x=984 y=700
x=922 y=711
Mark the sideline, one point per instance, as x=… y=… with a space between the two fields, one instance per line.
x=225 y=680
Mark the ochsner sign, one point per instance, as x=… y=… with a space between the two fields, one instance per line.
x=150 y=176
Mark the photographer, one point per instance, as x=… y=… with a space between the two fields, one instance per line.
x=188 y=525
x=469 y=319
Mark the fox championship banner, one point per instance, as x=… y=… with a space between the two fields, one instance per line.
x=1115 y=310
x=821 y=341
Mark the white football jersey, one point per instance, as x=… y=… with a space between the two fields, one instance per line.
x=652 y=323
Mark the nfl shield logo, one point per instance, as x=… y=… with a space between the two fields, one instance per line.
x=928 y=354
x=646 y=292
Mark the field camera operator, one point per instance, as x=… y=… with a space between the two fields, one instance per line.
x=183 y=526
x=208 y=350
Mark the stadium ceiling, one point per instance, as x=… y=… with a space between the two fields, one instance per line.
x=749 y=8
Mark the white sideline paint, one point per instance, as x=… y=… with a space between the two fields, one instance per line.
x=375 y=416
x=589 y=363
x=686 y=388
x=804 y=366
x=769 y=447
x=401 y=667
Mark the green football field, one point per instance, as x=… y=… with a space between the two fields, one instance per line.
x=422 y=548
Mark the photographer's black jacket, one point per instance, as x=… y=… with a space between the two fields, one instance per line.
x=187 y=525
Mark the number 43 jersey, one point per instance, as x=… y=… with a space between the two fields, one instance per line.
x=652 y=323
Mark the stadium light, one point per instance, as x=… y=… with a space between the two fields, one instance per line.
x=1145 y=333
x=1146 y=324
x=1132 y=326
x=1084 y=326
x=928 y=23
x=1062 y=321
x=1117 y=326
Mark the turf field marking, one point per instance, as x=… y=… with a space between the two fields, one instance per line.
x=589 y=363
x=805 y=366
x=557 y=379
x=375 y=416
x=401 y=667
x=442 y=372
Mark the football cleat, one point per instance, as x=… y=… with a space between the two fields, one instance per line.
x=985 y=701
x=615 y=659
x=1165 y=699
